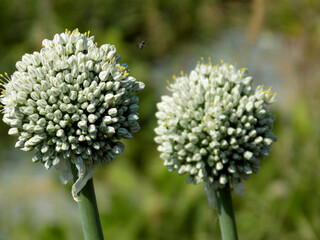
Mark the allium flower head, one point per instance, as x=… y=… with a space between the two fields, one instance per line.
x=215 y=126
x=71 y=102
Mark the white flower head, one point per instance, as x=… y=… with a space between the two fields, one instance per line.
x=72 y=103
x=215 y=126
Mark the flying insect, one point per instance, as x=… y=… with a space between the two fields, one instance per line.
x=141 y=45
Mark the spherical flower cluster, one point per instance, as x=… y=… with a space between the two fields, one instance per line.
x=71 y=102
x=215 y=126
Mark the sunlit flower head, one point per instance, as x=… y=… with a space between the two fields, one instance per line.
x=72 y=103
x=214 y=126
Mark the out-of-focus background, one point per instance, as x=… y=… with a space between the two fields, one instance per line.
x=278 y=41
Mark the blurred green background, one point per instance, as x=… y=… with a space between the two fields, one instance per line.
x=277 y=40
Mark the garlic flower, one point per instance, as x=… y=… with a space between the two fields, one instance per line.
x=72 y=103
x=215 y=126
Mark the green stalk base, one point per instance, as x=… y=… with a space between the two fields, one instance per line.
x=225 y=212
x=89 y=213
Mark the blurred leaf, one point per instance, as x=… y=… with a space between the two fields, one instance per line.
x=302 y=123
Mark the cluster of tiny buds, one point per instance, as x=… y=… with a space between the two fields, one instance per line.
x=71 y=102
x=215 y=126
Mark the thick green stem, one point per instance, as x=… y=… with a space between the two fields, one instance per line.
x=89 y=213
x=226 y=215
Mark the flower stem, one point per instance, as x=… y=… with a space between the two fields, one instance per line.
x=89 y=213
x=225 y=212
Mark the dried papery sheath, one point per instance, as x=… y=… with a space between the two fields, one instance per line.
x=72 y=103
x=215 y=126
